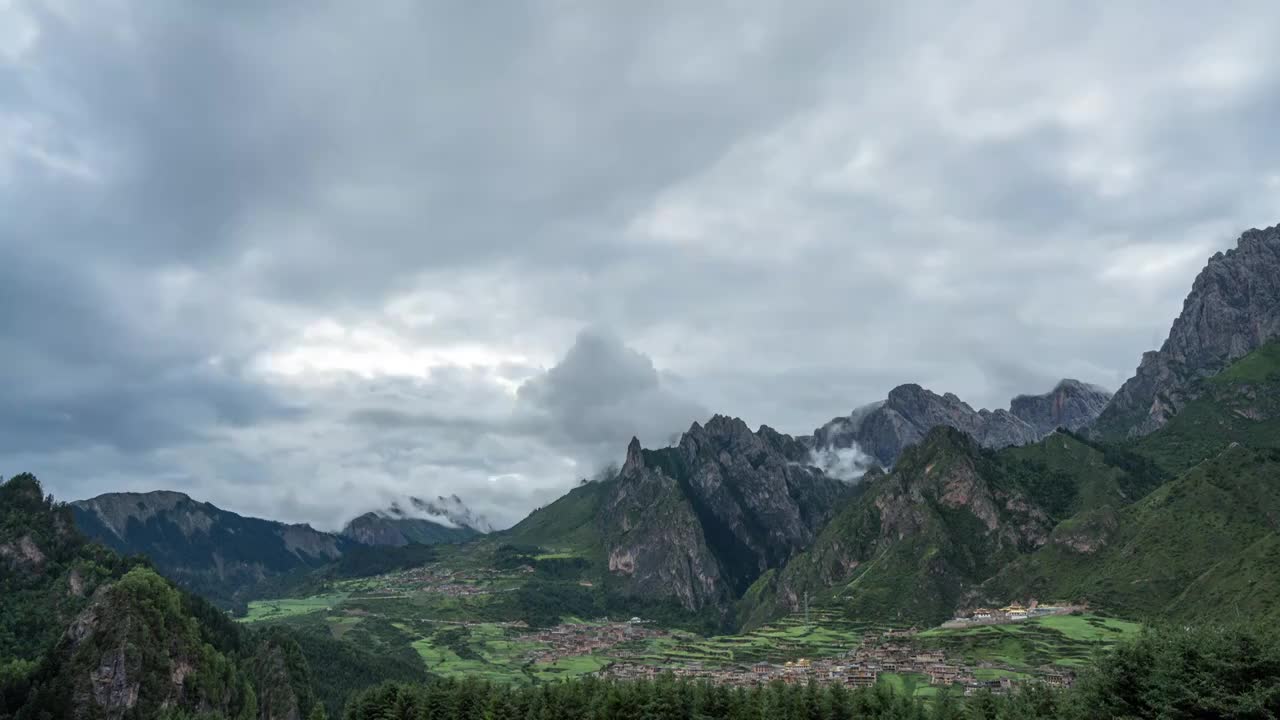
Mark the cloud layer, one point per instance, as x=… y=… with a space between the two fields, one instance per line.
x=302 y=258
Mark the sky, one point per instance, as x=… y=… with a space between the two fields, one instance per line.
x=299 y=259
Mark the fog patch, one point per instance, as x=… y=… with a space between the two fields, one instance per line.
x=848 y=463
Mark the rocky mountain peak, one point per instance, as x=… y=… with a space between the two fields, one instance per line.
x=1233 y=308
x=721 y=433
x=117 y=510
x=703 y=519
x=635 y=458
x=1071 y=404
x=882 y=430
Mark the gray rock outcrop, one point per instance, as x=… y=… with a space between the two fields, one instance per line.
x=703 y=519
x=884 y=429
x=1233 y=309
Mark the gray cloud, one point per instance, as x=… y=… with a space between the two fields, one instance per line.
x=599 y=396
x=298 y=258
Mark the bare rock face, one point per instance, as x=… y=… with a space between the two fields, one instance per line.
x=884 y=429
x=654 y=541
x=114 y=692
x=23 y=553
x=130 y=652
x=700 y=521
x=1233 y=309
x=1071 y=405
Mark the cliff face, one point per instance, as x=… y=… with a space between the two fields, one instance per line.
x=654 y=541
x=884 y=429
x=1071 y=405
x=1233 y=309
x=700 y=521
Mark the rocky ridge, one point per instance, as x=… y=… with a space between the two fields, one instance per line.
x=703 y=519
x=1233 y=308
x=215 y=552
x=884 y=429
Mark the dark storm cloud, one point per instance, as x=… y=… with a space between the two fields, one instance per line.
x=299 y=258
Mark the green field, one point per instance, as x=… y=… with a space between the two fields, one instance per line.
x=1064 y=640
x=912 y=684
x=474 y=634
x=260 y=610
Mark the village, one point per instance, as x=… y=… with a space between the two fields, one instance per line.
x=1014 y=612
x=625 y=645
x=442 y=581
x=878 y=653
x=859 y=668
x=573 y=639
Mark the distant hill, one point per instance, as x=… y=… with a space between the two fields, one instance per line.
x=426 y=522
x=215 y=552
x=86 y=633
x=884 y=429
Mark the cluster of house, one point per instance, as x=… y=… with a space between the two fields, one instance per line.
x=571 y=639
x=1013 y=612
x=859 y=668
x=430 y=578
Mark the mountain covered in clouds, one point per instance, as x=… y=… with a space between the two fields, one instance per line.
x=1233 y=309
x=426 y=522
x=884 y=429
x=215 y=552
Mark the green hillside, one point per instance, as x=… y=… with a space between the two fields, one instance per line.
x=86 y=633
x=907 y=547
x=1066 y=474
x=1163 y=556
x=569 y=523
x=1203 y=543
x=950 y=515
x=1241 y=404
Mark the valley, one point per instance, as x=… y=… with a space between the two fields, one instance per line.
x=457 y=621
x=1078 y=545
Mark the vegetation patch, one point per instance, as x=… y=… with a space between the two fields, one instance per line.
x=260 y=610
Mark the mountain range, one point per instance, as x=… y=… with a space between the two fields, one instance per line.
x=1162 y=501
x=884 y=429
x=229 y=558
x=745 y=522
x=954 y=500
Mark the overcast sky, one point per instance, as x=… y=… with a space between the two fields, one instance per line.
x=300 y=258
